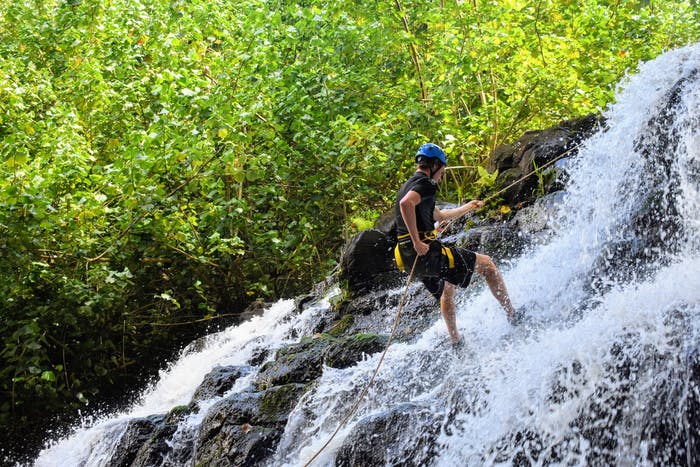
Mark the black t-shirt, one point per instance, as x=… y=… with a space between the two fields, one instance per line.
x=426 y=188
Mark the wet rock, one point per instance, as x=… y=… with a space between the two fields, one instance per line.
x=303 y=362
x=655 y=230
x=146 y=441
x=499 y=240
x=535 y=149
x=613 y=410
x=378 y=439
x=537 y=222
x=244 y=429
x=347 y=351
x=218 y=381
x=375 y=312
x=671 y=437
x=296 y=363
x=138 y=432
x=244 y=445
x=157 y=448
x=367 y=262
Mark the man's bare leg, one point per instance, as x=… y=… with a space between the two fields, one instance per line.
x=447 y=307
x=486 y=267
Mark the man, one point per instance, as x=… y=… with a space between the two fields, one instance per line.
x=439 y=267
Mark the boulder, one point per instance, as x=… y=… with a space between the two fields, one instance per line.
x=244 y=429
x=375 y=313
x=138 y=432
x=347 y=351
x=367 y=262
x=147 y=441
x=303 y=362
x=535 y=149
x=218 y=381
x=296 y=363
x=377 y=439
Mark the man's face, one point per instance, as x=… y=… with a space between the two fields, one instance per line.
x=438 y=175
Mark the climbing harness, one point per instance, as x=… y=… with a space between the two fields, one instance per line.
x=426 y=237
x=405 y=294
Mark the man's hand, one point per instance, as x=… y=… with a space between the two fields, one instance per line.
x=421 y=248
x=475 y=204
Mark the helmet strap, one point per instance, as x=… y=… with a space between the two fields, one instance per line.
x=433 y=171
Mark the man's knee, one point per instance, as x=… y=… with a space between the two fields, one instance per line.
x=485 y=266
x=448 y=292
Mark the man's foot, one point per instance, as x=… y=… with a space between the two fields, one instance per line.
x=458 y=344
x=516 y=317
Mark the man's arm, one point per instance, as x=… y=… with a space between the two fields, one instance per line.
x=447 y=214
x=408 y=211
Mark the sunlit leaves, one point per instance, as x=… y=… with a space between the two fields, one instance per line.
x=168 y=157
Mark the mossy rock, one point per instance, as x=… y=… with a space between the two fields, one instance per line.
x=297 y=363
x=347 y=351
x=341 y=326
x=303 y=362
x=278 y=401
x=218 y=381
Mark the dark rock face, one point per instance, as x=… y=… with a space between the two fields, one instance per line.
x=298 y=363
x=244 y=429
x=146 y=441
x=374 y=312
x=138 y=432
x=534 y=223
x=662 y=418
x=535 y=149
x=346 y=352
x=218 y=381
x=654 y=231
x=376 y=440
x=367 y=262
x=303 y=362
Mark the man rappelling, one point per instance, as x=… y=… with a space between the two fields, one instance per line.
x=439 y=267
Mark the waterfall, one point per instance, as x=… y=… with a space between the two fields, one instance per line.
x=602 y=372
x=93 y=443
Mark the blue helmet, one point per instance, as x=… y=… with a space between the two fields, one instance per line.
x=431 y=151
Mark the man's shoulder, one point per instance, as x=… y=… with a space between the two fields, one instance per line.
x=424 y=184
x=421 y=184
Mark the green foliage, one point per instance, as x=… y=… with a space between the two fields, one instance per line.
x=166 y=161
x=544 y=178
x=486 y=179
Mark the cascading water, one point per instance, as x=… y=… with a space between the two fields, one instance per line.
x=603 y=372
x=94 y=445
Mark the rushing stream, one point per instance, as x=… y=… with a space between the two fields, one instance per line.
x=601 y=372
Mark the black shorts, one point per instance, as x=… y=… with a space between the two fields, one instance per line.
x=440 y=264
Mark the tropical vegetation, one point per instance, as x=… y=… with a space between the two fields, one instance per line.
x=164 y=163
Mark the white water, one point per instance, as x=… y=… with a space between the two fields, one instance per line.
x=510 y=373
x=93 y=445
x=519 y=394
